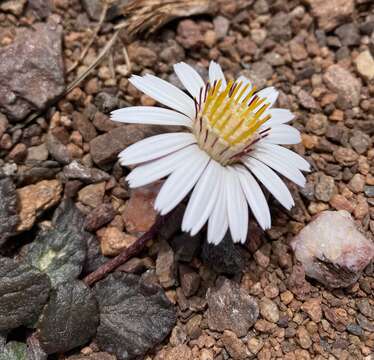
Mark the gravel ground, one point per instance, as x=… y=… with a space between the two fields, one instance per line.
x=193 y=301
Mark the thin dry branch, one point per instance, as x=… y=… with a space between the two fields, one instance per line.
x=146 y=16
x=93 y=37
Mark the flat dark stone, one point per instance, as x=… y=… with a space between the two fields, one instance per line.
x=61 y=250
x=69 y=319
x=134 y=316
x=24 y=291
x=8 y=209
x=224 y=258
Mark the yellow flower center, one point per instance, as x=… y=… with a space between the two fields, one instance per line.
x=227 y=121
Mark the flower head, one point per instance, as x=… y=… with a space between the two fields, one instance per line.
x=232 y=141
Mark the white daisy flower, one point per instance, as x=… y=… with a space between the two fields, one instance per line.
x=232 y=141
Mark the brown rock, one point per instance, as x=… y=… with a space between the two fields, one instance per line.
x=345 y=156
x=31 y=70
x=297 y=284
x=234 y=346
x=113 y=241
x=231 y=308
x=84 y=126
x=317 y=124
x=255 y=345
x=365 y=65
x=180 y=352
x=303 y=337
x=331 y=13
x=339 y=202
x=165 y=265
x=189 y=34
x=99 y=217
x=269 y=310
x=92 y=195
x=35 y=199
x=189 y=279
x=313 y=308
x=139 y=214
x=324 y=188
x=342 y=82
x=18 y=153
x=357 y=183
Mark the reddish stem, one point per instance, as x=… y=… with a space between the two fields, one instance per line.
x=126 y=254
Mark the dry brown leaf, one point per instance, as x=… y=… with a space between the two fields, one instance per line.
x=146 y=16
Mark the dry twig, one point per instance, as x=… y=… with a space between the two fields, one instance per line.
x=94 y=36
x=146 y=16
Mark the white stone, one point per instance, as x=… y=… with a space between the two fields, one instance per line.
x=332 y=250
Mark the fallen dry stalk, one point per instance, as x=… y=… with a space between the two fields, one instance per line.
x=146 y=16
x=126 y=254
x=92 y=39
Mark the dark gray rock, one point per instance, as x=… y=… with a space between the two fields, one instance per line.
x=231 y=308
x=34 y=172
x=95 y=7
x=41 y=8
x=8 y=209
x=185 y=246
x=61 y=250
x=14 y=351
x=369 y=190
x=69 y=319
x=106 y=102
x=77 y=171
x=348 y=34
x=224 y=258
x=23 y=292
x=58 y=150
x=94 y=257
x=134 y=316
x=105 y=148
x=31 y=70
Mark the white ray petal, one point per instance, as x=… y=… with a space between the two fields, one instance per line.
x=287 y=169
x=157 y=169
x=245 y=81
x=216 y=73
x=284 y=154
x=283 y=135
x=255 y=197
x=150 y=115
x=190 y=78
x=271 y=181
x=237 y=208
x=165 y=93
x=218 y=221
x=181 y=181
x=270 y=94
x=203 y=199
x=154 y=147
x=278 y=117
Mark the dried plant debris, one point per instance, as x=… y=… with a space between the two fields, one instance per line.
x=8 y=209
x=61 y=250
x=70 y=318
x=147 y=16
x=134 y=316
x=14 y=351
x=23 y=292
